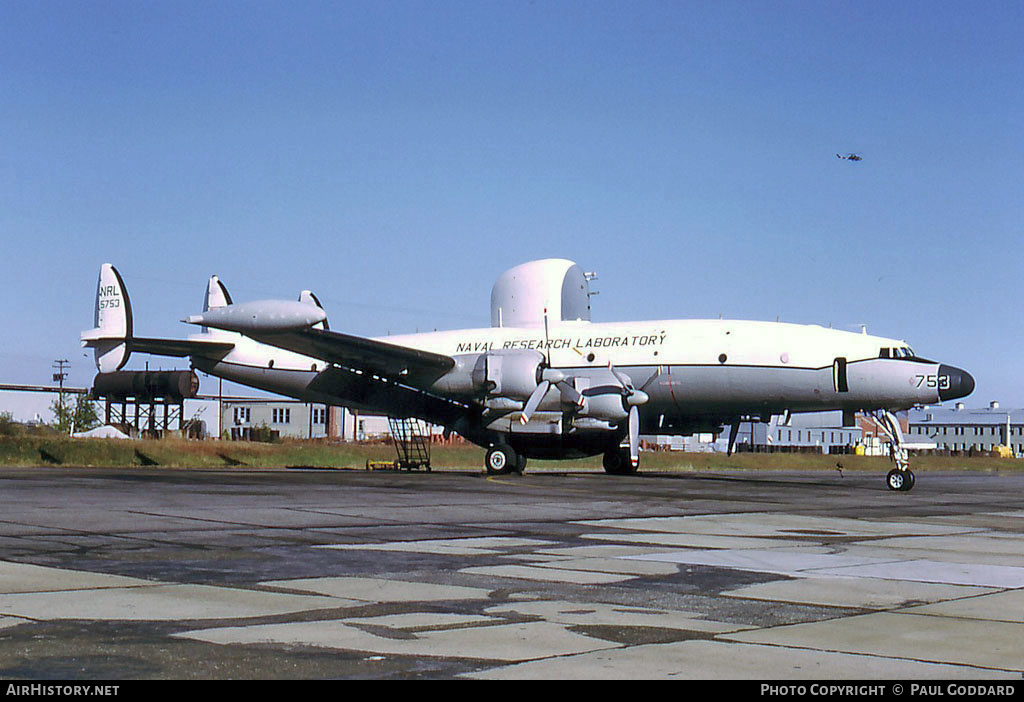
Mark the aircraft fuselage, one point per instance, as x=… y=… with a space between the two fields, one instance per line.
x=543 y=380
x=698 y=374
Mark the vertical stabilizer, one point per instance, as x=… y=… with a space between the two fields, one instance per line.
x=111 y=336
x=310 y=299
x=216 y=295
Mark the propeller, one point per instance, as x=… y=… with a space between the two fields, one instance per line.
x=545 y=384
x=632 y=398
x=549 y=376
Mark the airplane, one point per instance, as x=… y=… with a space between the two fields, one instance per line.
x=544 y=381
x=851 y=157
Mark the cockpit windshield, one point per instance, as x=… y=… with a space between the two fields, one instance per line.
x=896 y=352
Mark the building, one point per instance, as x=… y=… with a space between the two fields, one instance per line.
x=822 y=431
x=264 y=419
x=818 y=432
x=958 y=429
x=244 y=419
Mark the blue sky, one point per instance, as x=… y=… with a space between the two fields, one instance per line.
x=395 y=157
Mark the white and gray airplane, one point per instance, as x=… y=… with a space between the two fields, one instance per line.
x=543 y=381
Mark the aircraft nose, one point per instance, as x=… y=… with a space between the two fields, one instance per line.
x=961 y=383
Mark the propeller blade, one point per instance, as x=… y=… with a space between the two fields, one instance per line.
x=625 y=380
x=734 y=430
x=547 y=342
x=654 y=375
x=634 y=436
x=570 y=394
x=535 y=398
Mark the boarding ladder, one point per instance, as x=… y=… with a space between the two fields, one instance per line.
x=412 y=442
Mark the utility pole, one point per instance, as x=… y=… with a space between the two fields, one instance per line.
x=59 y=377
x=61 y=374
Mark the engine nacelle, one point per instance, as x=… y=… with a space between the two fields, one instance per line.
x=606 y=406
x=512 y=374
x=459 y=380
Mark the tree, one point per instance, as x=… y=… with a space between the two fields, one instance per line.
x=79 y=416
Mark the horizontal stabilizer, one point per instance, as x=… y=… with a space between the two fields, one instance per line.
x=112 y=339
x=182 y=347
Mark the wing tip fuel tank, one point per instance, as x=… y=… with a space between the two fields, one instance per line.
x=267 y=316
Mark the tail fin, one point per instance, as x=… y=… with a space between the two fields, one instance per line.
x=112 y=335
x=310 y=299
x=216 y=295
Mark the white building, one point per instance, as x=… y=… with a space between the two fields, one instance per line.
x=817 y=431
x=960 y=429
x=283 y=418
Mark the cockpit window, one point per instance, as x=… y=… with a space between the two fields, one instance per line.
x=896 y=352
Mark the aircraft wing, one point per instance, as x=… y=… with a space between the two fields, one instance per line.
x=296 y=327
x=179 y=347
x=361 y=353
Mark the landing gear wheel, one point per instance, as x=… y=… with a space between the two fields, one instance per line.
x=902 y=480
x=501 y=460
x=616 y=462
x=909 y=481
x=520 y=464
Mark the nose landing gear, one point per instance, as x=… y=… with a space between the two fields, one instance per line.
x=901 y=477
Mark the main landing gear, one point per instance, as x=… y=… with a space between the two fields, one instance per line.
x=616 y=462
x=502 y=460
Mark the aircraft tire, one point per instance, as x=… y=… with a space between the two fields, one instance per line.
x=616 y=462
x=520 y=464
x=900 y=480
x=500 y=460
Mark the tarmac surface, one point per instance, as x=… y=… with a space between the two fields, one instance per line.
x=217 y=574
